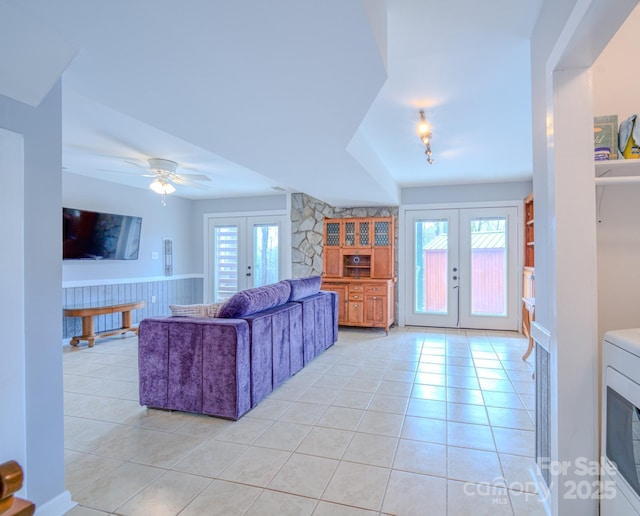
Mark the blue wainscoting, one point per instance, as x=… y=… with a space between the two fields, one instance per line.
x=173 y=290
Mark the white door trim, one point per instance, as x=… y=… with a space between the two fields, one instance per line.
x=403 y=276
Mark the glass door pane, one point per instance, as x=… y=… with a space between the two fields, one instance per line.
x=363 y=234
x=381 y=236
x=332 y=234
x=432 y=237
x=349 y=234
x=433 y=258
x=225 y=262
x=265 y=254
x=488 y=254
x=488 y=266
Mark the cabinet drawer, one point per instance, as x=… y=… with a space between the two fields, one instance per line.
x=356 y=296
x=356 y=312
x=376 y=289
x=356 y=288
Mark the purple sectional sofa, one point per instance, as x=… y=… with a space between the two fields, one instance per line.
x=226 y=365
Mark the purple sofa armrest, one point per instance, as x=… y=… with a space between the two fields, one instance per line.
x=195 y=365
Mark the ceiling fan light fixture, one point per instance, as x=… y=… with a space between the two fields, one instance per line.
x=162 y=187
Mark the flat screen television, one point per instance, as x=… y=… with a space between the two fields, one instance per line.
x=91 y=235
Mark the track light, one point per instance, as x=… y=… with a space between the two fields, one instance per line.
x=424 y=130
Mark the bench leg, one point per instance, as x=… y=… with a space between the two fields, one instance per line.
x=126 y=320
x=87 y=332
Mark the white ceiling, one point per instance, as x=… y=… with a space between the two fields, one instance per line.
x=315 y=96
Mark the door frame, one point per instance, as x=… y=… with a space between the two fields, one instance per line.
x=403 y=273
x=285 y=240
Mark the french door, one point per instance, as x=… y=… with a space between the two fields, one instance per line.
x=463 y=268
x=243 y=252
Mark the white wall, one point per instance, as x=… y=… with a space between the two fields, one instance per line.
x=619 y=259
x=484 y=192
x=616 y=84
x=241 y=204
x=175 y=220
x=260 y=204
x=12 y=365
x=43 y=401
x=615 y=73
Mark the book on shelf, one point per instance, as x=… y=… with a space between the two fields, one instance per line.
x=605 y=137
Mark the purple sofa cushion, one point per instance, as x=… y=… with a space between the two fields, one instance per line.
x=255 y=299
x=304 y=287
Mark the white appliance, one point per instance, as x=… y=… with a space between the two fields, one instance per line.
x=620 y=475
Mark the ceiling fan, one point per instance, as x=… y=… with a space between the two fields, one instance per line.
x=166 y=176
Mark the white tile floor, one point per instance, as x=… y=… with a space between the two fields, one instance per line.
x=419 y=422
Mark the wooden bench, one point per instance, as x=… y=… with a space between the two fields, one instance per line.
x=88 y=312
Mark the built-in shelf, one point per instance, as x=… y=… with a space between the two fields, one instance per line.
x=528 y=231
x=617 y=171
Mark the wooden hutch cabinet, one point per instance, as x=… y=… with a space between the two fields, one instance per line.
x=359 y=264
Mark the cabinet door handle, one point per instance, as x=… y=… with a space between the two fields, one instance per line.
x=375 y=297
x=355 y=297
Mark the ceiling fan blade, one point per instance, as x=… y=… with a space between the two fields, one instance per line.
x=195 y=177
x=180 y=180
x=139 y=165
x=126 y=172
x=175 y=178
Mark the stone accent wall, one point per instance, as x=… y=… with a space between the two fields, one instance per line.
x=307 y=228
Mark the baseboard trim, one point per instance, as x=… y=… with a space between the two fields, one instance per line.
x=61 y=504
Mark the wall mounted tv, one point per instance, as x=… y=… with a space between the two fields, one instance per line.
x=91 y=235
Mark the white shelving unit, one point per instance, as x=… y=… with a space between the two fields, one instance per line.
x=617 y=171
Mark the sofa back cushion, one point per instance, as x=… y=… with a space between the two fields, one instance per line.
x=255 y=300
x=304 y=287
